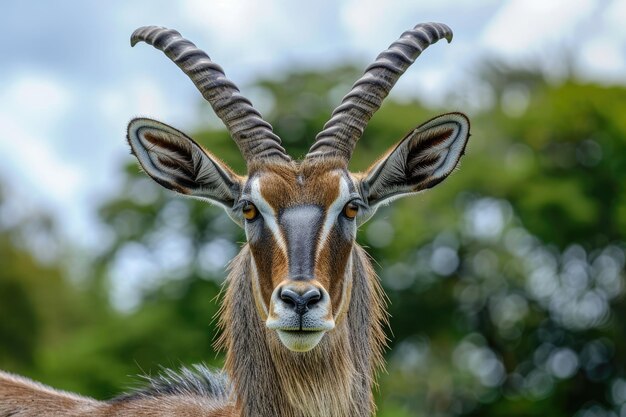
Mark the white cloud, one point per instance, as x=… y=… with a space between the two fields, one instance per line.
x=603 y=56
x=615 y=16
x=604 y=59
x=587 y=35
x=252 y=36
x=147 y=97
x=36 y=99
x=31 y=107
x=49 y=165
x=522 y=27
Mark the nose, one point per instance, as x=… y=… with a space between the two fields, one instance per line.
x=300 y=298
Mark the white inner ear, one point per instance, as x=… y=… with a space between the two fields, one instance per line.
x=207 y=179
x=454 y=144
x=387 y=180
x=142 y=148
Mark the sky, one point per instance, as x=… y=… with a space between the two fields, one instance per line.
x=71 y=81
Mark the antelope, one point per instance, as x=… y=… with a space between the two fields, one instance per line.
x=303 y=314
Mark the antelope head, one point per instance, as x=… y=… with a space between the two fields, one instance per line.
x=300 y=217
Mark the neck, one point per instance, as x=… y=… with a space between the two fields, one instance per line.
x=334 y=379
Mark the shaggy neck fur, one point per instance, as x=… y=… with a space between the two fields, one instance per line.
x=335 y=379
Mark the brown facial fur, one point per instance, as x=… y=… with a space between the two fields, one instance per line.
x=286 y=185
x=332 y=263
x=289 y=185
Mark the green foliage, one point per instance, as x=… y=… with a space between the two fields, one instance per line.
x=506 y=281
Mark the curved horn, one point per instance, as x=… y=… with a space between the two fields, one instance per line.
x=253 y=135
x=349 y=120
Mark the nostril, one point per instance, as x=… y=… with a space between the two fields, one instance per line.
x=311 y=297
x=300 y=303
x=290 y=298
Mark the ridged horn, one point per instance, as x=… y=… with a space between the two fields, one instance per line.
x=253 y=135
x=349 y=119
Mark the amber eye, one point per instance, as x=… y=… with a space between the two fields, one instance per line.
x=351 y=210
x=249 y=211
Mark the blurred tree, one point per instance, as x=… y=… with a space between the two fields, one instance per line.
x=39 y=308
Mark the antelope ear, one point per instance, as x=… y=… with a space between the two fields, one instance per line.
x=178 y=163
x=424 y=158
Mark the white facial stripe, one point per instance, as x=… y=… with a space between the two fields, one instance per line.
x=269 y=216
x=258 y=296
x=346 y=288
x=333 y=211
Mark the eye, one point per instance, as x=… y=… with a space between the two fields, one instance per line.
x=249 y=211
x=351 y=210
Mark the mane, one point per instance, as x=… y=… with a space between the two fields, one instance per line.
x=198 y=380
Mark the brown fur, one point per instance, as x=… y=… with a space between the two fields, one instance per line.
x=286 y=185
x=271 y=267
x=21 y=397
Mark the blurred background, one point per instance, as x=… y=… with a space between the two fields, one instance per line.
x=506 y=281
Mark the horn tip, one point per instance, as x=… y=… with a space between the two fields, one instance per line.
x=139 y=34
x=135 y=38
x=443 y=30
x=448 y=32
